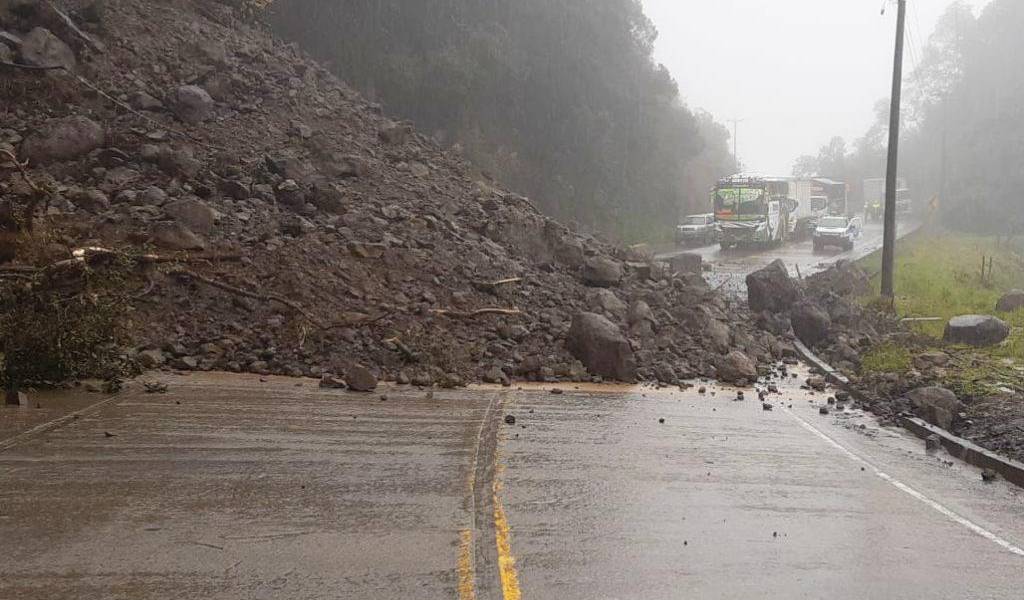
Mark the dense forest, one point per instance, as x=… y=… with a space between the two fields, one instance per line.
x=558 y=100
x=963 y=123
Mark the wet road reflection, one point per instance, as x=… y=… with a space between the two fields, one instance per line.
x=233 y=487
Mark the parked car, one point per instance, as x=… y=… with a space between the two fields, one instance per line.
x=696 y=230
x=841 y=232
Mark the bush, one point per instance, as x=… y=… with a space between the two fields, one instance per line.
x=63 y=324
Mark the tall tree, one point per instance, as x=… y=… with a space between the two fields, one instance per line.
x=561 y=100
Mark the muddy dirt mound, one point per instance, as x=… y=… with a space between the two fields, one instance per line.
x=300 y=231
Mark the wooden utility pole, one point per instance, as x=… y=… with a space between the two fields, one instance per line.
x=892 y=172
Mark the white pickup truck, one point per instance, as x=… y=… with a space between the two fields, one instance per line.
x=842 y=232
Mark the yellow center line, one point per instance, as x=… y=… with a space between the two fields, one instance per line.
x=506 y=562
x=467 y=576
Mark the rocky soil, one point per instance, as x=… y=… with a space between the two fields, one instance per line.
x=303 y=232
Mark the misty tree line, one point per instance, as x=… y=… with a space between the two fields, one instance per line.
x=558 y=100
x=963 y=131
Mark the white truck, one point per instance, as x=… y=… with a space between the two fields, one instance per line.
x=874 y=199
x=809 y=207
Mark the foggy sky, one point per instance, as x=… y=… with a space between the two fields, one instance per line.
x=797 y=71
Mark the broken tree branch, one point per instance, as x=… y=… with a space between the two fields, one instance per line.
x=262 y=297
x=152 y=259
x=150 y=285
x=29 y=211
x=359 y=322
x=492 y=286
x=31 y=67
x=405 y=350
x=455 y=314
x=70 y=25
x=24 y=269
x=23 y=169
x=94 y=256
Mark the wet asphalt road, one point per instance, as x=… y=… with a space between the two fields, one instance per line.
x=729 y=268
x=232 y=487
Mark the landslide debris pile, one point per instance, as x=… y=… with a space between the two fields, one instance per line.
x=297 y=230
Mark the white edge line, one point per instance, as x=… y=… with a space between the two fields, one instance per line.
x=978 y=529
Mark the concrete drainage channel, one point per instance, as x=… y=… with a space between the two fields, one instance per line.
x=966 y=451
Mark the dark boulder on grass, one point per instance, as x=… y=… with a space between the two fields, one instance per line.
x=976 y=330
x=1011 y=301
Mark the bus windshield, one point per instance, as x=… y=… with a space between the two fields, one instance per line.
x=740 y=201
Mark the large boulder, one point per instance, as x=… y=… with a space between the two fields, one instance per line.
x=191 y=103
x=193 y=213
x=937 y=405
x=40 y=48
x=601 y=271
x=175 y=236
x=394 y=133
x=843 y=278
x=600 y=346
x=605 y=301
x=811 y=323
x=360 y=379
x=976 y=330
x=736 y=367
x=62 y=139
x=719 y=334
x=1011 y=301
x=771 y=289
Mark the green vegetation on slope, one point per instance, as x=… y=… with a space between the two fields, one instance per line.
x=938 y=274
x=887 y=358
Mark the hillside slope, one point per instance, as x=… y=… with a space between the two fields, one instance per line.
x=359 y=240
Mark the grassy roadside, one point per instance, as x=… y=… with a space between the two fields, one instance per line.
x=938 y=274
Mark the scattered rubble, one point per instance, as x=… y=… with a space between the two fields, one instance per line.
x=828 y=318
